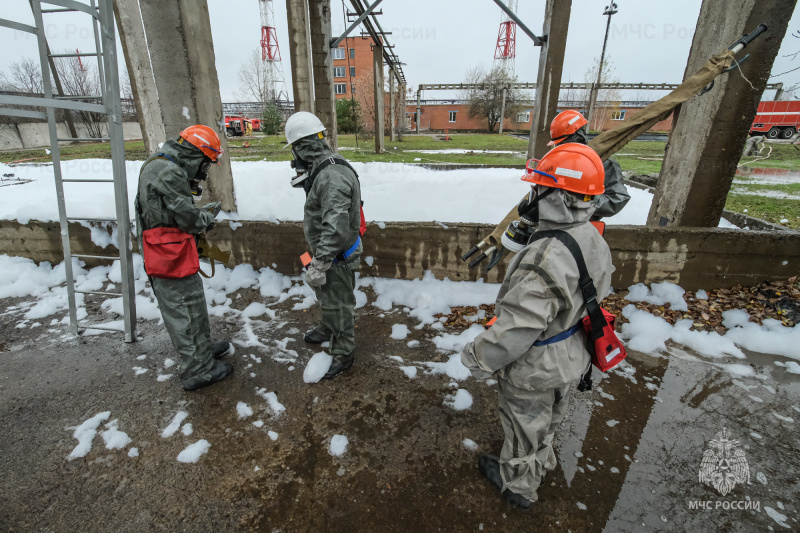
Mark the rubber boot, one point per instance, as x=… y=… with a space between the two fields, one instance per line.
x=219 y=371
x=318 y=335
x=220 y=347
x=339 y=364
x=490 y=467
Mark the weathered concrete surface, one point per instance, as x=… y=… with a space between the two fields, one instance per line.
x=300 y=55
x=548 y=79
x=36 y=134
x=140 y=72
x=707 y=139
x=629 y=452
x=319 y=23
x=378 y=95
x=694 y=258
x=182 y=57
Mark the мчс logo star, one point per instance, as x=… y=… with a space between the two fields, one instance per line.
x=724 y=464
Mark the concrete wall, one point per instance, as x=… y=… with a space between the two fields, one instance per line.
x=692 y=257
x=36 y=135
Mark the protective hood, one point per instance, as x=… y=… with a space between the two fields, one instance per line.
x=563 y=208
x=578 y=137
x=185 y=155
x=309 y=149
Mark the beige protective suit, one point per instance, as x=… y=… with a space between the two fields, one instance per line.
x=539 y=299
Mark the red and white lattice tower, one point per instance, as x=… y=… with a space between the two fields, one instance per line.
x=275 y=83
x=506 y=49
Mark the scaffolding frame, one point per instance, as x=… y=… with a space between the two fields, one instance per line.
x=102 y=16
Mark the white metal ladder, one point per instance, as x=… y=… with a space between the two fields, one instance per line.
x=102 y=16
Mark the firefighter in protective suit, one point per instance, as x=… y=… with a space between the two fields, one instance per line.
x=570 y=127
x=534 y=349
x=331 y=223
x=167 y=182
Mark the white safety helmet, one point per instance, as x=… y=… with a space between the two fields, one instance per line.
x=302 y=124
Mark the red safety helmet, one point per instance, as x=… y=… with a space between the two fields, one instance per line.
x=565 y=124
x=573 y=167
x=204 y=139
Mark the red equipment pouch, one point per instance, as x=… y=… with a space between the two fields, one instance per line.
x=362 y=229
x=607 y=351
x=169 y=253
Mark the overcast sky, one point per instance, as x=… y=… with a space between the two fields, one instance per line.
x=439 y=40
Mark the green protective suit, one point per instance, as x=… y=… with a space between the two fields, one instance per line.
x=539 y=298
x=164 y=199
x=331 y=221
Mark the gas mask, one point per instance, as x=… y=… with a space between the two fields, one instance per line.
x=201 y=175
x=300 y=169
x=519 y=232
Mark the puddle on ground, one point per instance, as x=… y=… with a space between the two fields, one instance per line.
x=767 y=176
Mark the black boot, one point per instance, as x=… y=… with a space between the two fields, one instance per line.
x=318 y=335
x=219 y=371
x=490 y=467
x=220 y=347
x=339 y=364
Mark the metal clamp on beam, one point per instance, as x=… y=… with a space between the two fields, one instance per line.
x=365 y=14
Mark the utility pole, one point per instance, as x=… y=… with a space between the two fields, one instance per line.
x=610 y=10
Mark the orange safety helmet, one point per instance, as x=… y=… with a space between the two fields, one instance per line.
x=204 y=139
x=565 y=124
x=573 y=167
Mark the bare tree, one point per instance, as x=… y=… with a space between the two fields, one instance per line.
x=24 y=76
x=608 y=100
x=253 y=79
x=485 y=96
x=81 y=78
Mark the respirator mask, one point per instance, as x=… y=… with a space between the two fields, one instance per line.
x=519 y=232
x=201 y=175
x=301 y=169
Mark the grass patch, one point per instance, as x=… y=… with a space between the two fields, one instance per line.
x=770 y=209
x=788 y=188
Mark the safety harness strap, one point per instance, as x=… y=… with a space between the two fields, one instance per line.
x=585 y=281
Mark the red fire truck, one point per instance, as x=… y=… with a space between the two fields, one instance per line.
x=777 y=119
x=237 y=126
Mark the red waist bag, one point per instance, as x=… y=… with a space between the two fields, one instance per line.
x=607 y=351
x=169 y=253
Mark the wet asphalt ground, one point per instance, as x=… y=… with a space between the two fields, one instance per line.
x=630 y=451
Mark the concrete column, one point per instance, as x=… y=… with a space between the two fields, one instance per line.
x=402 y=119
x=709 y=132
x=419 y=109
x=377 y=73
x=548 y=81
x=182 y=56
x=319 y=12
x=300 y=55
x=140 y=72
x=503 y=110
x=392 y=103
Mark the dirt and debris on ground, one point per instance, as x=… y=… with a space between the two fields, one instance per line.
x=777 y=300
x=629 y=451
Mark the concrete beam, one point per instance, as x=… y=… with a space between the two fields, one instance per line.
x=300 y=55
x=140 y=73
x=693 y=258
x=182 y=56
x=402 y=119
x=548 y=81
x=319 y=21
x=377 y=75
x=710 y=131
x=392 y=105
